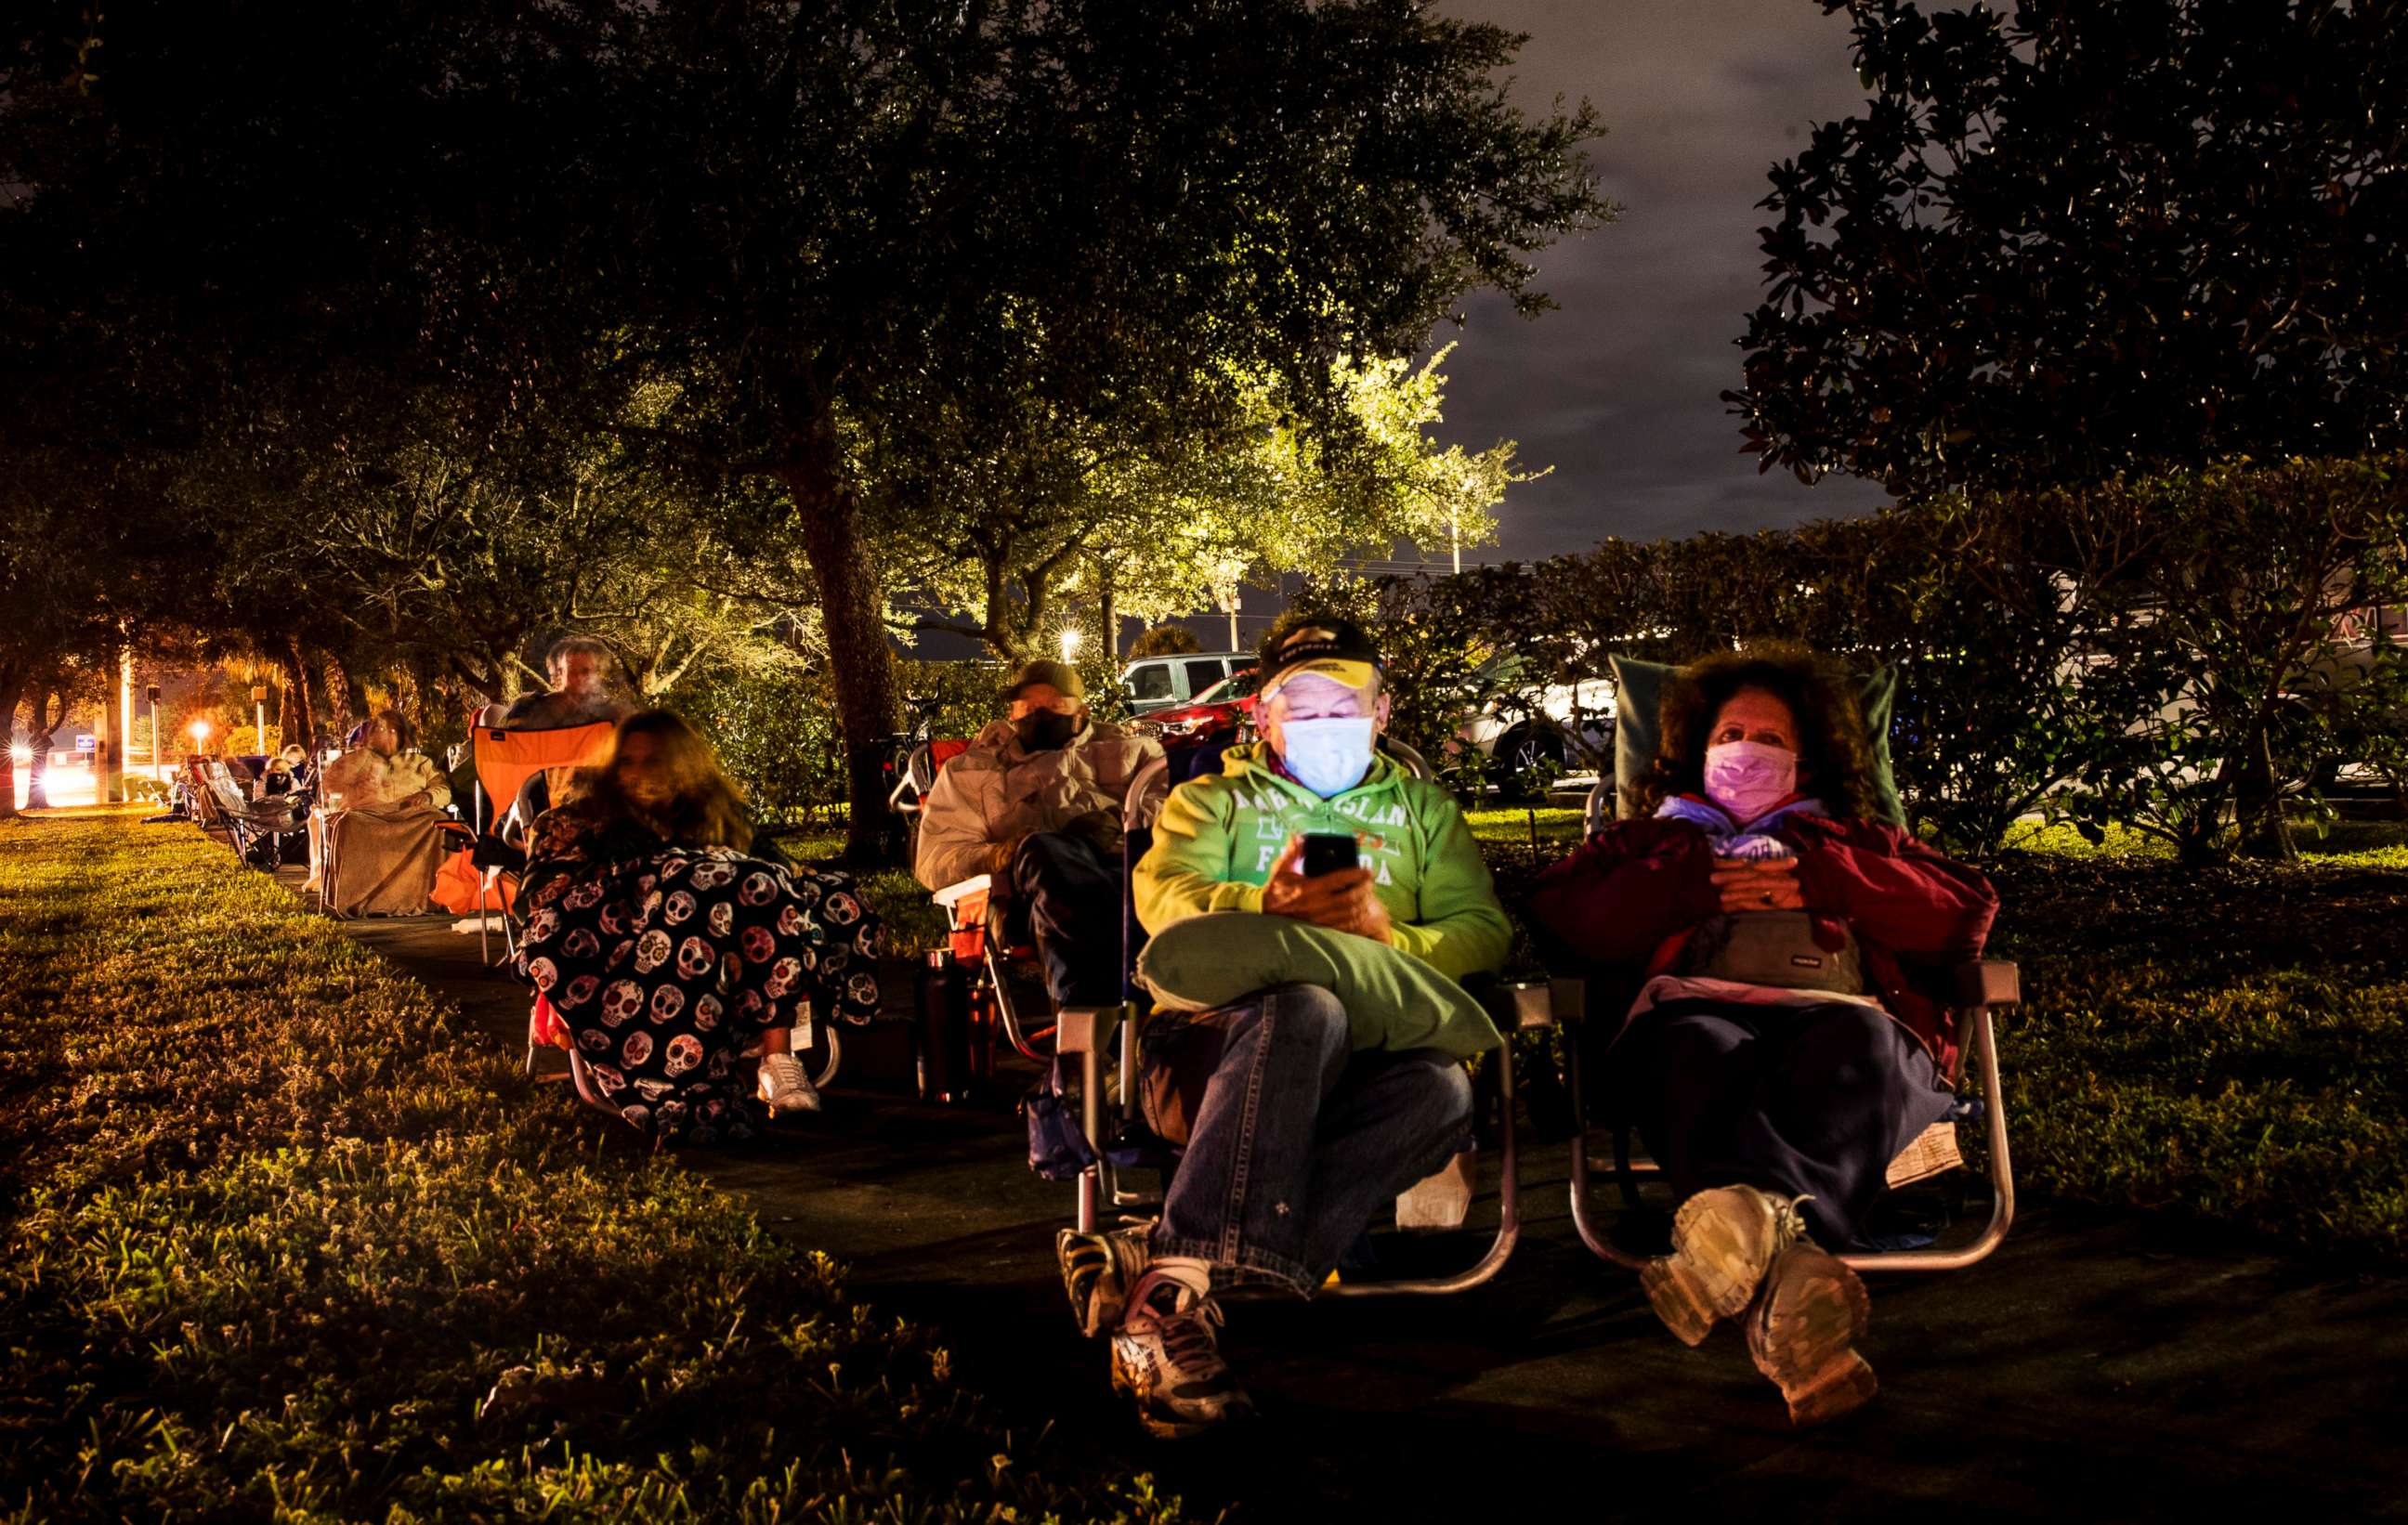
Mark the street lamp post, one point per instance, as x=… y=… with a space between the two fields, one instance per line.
x=158 y=767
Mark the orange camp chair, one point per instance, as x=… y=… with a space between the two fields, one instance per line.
x=505 y=760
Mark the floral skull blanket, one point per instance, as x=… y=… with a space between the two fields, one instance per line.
x=666 y=967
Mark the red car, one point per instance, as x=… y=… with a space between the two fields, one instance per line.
x=1228 y=704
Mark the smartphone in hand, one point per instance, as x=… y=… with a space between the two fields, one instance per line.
x=1327 y=853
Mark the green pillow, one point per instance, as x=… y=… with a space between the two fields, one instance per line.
x=1637 y=695
x=1392 y=999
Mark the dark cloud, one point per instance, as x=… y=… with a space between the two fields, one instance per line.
x=1619 y=388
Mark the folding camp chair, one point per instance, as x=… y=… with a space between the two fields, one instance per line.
x=909 y=798
x=1974 y=990
x=504 y=761
x=221 y=807
x=1097 y=1039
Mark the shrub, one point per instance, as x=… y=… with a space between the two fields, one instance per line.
x=776 y=731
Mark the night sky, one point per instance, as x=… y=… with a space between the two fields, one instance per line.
x=1618 y=389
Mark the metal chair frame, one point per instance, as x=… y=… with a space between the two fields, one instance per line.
x=1096 y=1037
x=219 y=802
x=1980 y=989
x=1088 y=1035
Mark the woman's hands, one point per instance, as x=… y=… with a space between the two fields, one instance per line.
x=1757 y=884
x=1342 y=901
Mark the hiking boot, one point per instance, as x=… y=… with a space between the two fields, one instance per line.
x=1098 y=1271
x=1802 y=1332
x=786 y=1086
x=1724 y=1241
x=1166 y=1355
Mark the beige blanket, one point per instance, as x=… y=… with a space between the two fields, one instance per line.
x=383 y=859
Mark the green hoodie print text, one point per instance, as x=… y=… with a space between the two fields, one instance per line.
x=1219 y=836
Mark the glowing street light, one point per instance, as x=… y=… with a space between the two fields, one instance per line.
x=1070 y=644
x=201 y=735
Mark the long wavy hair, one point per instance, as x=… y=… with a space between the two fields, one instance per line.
x=1835 y=756
x=705 y=808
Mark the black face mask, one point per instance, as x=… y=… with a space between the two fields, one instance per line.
x=1043 y=730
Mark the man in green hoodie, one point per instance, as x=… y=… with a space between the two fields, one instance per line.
x=1308 y=1124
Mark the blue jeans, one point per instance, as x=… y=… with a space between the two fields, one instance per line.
x=1811 y=1101
x=1299 y=1140
x=1065 y=897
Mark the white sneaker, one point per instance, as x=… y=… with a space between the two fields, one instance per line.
x=1724 y=1241
x=1166 y=1356
x=786 y=1086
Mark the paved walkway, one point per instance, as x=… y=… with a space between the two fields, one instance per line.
x=2095 y=1368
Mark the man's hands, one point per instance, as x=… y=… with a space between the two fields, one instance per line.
x=1758 y=884
x=1342 y=901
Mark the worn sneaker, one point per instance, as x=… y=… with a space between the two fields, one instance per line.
x=1098 y=1271
x=1724 y=1241
x=786 y=1086
x=1802 y=1332
x=1166 y=1355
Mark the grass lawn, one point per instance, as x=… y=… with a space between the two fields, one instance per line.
x=2230 y=1042
x=278 y=1240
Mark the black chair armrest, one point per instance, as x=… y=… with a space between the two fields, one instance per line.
x=1985 y=982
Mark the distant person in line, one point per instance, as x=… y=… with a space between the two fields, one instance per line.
x=385 y=770
x=1315 y=1116
x=1036 y=802
x=1774 y=1056
x=579 y=669
x=670 y=945
x=387 y=796
x=287 y=771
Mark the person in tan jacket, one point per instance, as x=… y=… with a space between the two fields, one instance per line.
x=1036 y=802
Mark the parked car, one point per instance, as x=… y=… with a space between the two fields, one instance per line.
x=1228 y=704
x=1152 y=683
x=1535 y=734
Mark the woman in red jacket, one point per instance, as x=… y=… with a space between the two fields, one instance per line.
x=1773 y=1055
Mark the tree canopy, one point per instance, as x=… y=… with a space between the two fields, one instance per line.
x=2061 y=240
x=338 y=262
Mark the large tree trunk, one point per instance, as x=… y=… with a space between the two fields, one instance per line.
x=11 y=690
x=863 y=669
x=303 y=721
x=50 y=708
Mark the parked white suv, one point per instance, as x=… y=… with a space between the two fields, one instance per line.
x=1534 y=736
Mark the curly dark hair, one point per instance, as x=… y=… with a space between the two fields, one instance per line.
x=1835 y=760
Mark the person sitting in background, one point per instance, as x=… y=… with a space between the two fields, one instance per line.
x=578 y=668
x=386 y=795
x=1036 y=802
x=672 y=946
x=386 y=770
x=1773 y=1064
x=1317 y=1111
x=293 y=761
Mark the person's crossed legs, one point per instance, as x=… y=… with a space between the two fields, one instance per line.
x=1296 y=1146
x=1066 y=892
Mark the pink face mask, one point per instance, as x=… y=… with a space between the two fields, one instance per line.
x=1747 y=778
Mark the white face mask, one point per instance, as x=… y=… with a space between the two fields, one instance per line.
x=1328 y=757
x=1747 y=778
